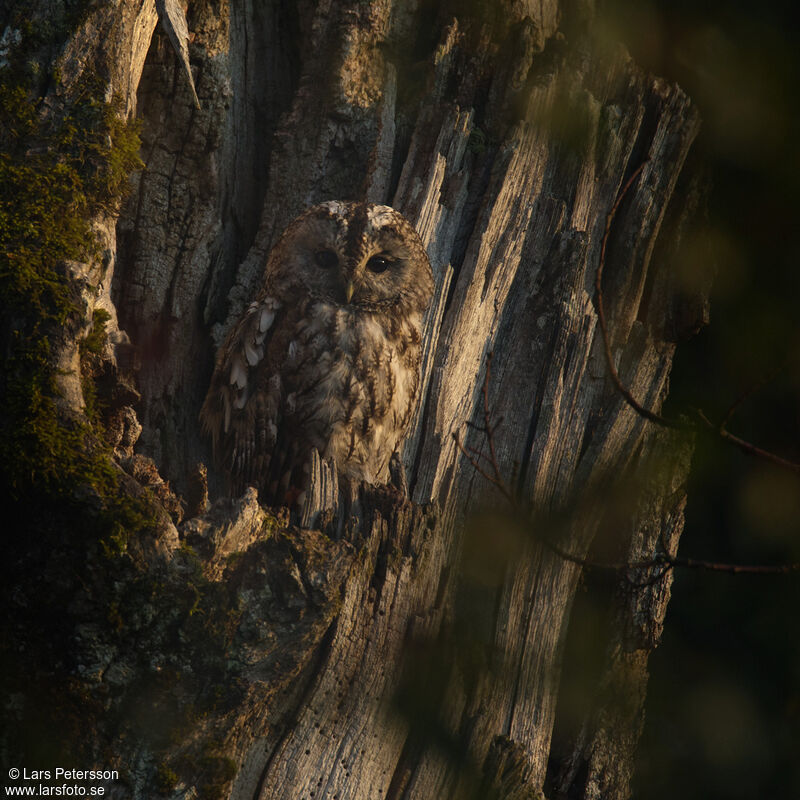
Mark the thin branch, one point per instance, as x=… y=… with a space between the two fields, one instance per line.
x=482 y=472
x=487 y=417
x=601 y=316
x=652 y=416
x=747 y=447
x=496 y=478
x=658 y=575
x=736 y=569
x=749 y=392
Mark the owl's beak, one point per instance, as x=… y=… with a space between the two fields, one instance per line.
x=348 y=292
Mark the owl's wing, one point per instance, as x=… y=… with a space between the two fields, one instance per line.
x=241 y=409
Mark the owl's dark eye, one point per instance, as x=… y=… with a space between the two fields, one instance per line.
x=326 y=259
x=378 y=264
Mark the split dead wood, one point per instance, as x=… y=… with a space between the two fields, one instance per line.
x=703 y=422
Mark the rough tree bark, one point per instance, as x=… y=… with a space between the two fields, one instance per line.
x=406 y=648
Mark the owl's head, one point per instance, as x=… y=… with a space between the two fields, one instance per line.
x=357 y=255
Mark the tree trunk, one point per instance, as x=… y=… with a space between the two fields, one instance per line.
x=407 y=647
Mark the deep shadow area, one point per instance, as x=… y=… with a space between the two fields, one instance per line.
x=723 y=711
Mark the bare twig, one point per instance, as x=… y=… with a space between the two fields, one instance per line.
x=472 y=455
x=601 y=316
x=735 y=569
x=749 y=392
x=482 y=472
x=652 y=416
x=747 y=447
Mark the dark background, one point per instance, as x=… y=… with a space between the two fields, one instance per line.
x=723 y=709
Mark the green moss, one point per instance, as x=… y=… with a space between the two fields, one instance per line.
x=114 y=617
x=166 y=779
x=209 y=771
x=54 y=177
x=218 y=772
x=96 y=338
x=74 y=528
x=214 y=772
x=477 y=141
x=61 y=493
x=91 y=349
x=77 y=529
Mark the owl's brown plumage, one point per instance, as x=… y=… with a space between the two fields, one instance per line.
x=328 y=355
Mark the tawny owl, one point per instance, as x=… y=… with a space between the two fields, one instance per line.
x=327 y=356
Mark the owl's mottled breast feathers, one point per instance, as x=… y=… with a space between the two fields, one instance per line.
x=327 y=356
